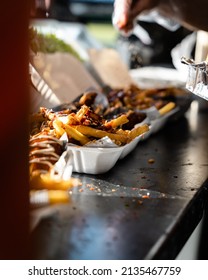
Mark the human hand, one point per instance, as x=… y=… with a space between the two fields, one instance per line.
x=125 y=12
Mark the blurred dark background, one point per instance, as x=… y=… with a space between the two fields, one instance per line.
x=158 y=52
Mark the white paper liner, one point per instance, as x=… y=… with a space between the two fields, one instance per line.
x=104 y=142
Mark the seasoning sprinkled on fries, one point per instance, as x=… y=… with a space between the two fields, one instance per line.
x=85 y=126
x=85 y=123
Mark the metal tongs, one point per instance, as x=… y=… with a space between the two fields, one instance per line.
x=191 y=62
x=197 y=81
x=41 y=86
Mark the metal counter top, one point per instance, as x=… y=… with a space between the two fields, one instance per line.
x=137 y=210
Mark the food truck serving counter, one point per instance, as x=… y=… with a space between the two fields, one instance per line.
x=145 y=207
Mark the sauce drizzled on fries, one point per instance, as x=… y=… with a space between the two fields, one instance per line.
x=83 y=122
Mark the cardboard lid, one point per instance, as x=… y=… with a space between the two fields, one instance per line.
x=64 y=74
x=110 y=67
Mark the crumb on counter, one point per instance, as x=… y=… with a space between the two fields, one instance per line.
x=151 y=160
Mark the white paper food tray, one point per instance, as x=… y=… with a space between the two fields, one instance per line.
x=97 y=160
x=147 y=134
x=158 y=123
x=156 y=120
x=128 y=148
x=94 y=160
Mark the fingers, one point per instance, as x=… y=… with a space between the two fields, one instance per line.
x=121 y=17
x=125 y=12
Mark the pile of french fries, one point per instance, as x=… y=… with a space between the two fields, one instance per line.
x=85 y=126
x=81 y=127
x=84 y=122
x=133 y=97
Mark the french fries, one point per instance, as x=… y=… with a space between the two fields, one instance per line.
x=90 y=127
x=74 y=133
x=46 y=197
x=57 y=124
x=135 y=132
x=97 y=134
x=117 y=122
x=84 y=124
x=84 y=134
x=167 y=108
x=134 y=97
x=40 y=181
